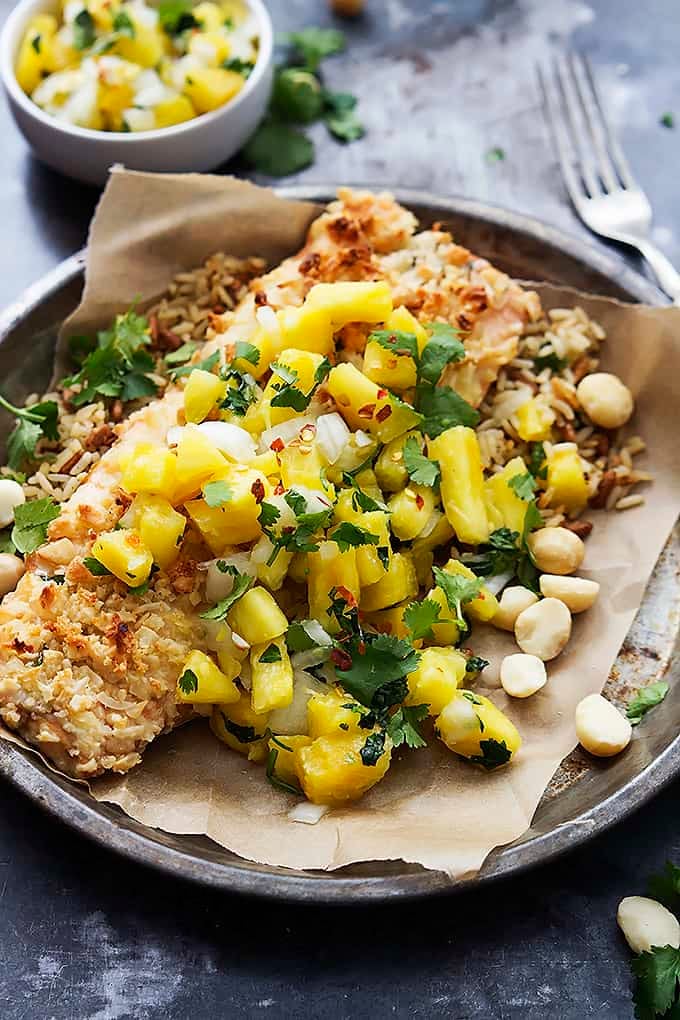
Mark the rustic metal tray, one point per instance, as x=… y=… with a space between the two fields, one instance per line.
x=584 y=798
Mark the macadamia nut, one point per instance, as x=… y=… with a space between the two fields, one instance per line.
x=522 y=675
x=606 y=400
x=11 y=496
x=543 y=629
x=577 y=593
x=600 y=727
x=511 y=603
x=11 y=570
x=556 y=550
x=646 y=923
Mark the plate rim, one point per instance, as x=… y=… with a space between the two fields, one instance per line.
x=20 y=770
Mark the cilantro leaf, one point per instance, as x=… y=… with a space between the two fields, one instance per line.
x=271 y=654
x=244 y=734
x=206 y=365
x=373 y=748
x=33 y=423
x=667 y=120
x=420 y=617
x=182 y=354
x=188 y=682
x=313 y=44
x=537 y=458
x=96 y=568
x=494 y=753
x=421 y=469
x=397 y=341
x=476 y=664
x=524 y=486
x=242 y=391
x=377 y=675
x=402 y=727
x=287 y=393
x=6 y=543
x=360 y=499
x=242 y=582
x=551 y=361
x=299 y=638
x=122 y=23
x=346 y=127
x=348 y=536
x=665 y=887
x=443 y=348
x=119 y=366
x=276 y=781
x=296 y=95
x=176 y=17
x=269 y=514
x=84 y=33
x=278 y=149
x=458 y=590
x=442 y=408
x=217 y=493
x=497 y=556
x=645 y=699
x=30 y=523
x=21 y=443
x=495 y=155
x=657 y=974
x=242 y=67
x=244 y=351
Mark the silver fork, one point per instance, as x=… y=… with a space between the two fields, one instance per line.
x=596 y=173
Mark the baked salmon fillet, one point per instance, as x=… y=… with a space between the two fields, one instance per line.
x=88 y=670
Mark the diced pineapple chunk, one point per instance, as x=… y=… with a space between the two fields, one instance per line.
x=372 y=560
x=257 y=617
x=237 y=520
x=113 y=101
x=534 y=420
x=282 y=749
x=388 y=368
x=423 y=547
x=472 y=726
x=197 y=461
x=272 y=680
x=390 y=470
x=211 y=47
x=241 y=729
x=331 y=769
x=446 y=631
x=364 y=405
x=160 y=527
x=125 y=555
x=209 y=14
x=267 y=345
x=150 y=469
x=202 y=682
x=267 y=463
x=566 y=480
x=145 y=47
x=201 y=393
x=305 y=365
x=302 y=465
x=410 y=511
x=390 y=621
x=329 y=568
x=397 y=584
x=211 y=87
x=352 y=302
x=32 y=58
x=462 y=482
x=485 y=606
x=327 y=714
x=176 y=110
x=298 y=569
x=440 y=672
x=271 y=575
x=307 y=329
x=504 y=507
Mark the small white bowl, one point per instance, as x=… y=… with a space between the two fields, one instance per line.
x=196 y=145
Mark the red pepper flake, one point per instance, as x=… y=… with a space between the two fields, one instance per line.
x=361 y=648
x=420 y=502
x=277 y=445
x=366 y=411
x=260 y=298
x=382 y=394
x=257 y=489
x=288 y=530
x=383 y=413
x=347 y=596
x=279 y=490
x=341 y=659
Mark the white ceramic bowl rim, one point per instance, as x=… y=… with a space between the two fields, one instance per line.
x=25 y=9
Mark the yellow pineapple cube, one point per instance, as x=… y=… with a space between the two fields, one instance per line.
x=298 y=569
x=241 y=729
x=237 y=520
x=266 y=463
x=364 y=405
x=257 y=617
x=210 y=46
x=390 y=621
x=302 y=465
x=125 y=555
x=462 y=482
x=150 y=469
x=176 y=110
x=566 y=480
x=33 y=51
x=397 y=584
x=198 y=460
x=271 y=679
x=327 y=569
x=485 y=606
x=160 y=527
x=307 y=329
x=388 y=368
x=504 y=507
x=211 y=87
x=201 y=393
x=472 y=726
x=371 y=563
x=390 y=470
x=304 y=364
x=327 y=714
x=440 y=672
x=283 y=750
x=209 y=15
x=446 y=631
x=202 y=682
x=422 y=549
x=332 y=771
x=534 y=421
x=352 y=302
x=144 y=48
x=410 y=510
x=113 y=101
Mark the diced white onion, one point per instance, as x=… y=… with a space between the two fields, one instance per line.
x=332 y=435
x=431 y=523
x=312 y=657
x=143 y=14
x=139 y=120
x=308 y=813
x=218 y=584
x=239 y=641
x=293 y=718
x=149 y=89
x=362 y=438
x=497 y=583
x=286 y=432
x=230 y=439
x=316 y=633
x=266 y=317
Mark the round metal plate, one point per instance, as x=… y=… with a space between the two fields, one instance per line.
x=527 y=249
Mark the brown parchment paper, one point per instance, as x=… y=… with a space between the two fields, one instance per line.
x=432 y=808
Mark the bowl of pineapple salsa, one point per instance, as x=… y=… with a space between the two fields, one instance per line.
x=350 y=540
x=172 y=86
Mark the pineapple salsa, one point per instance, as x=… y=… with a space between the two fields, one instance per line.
x=131 y=66
x=350 y=539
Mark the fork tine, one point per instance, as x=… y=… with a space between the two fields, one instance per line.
x=609 y=138
x=561 y=138
x=576 y=121
x=594 y=119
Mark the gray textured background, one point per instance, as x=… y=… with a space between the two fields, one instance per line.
x=86 y=935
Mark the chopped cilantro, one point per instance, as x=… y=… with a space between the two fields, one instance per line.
x=645 y=699
x=287 y=393
x=242 y=391
x=242 y=582
x=665 y=886
x=443 y=348
x=122 y=23
x=421 y=470
x=523 y=486
x=494 y=753
x=276 y=781
x=402 y=727
x=656 y=987
x=244 y=734
x=217 y=493
x=242 y=67
x=340 y=117
x=497 y=556
x=667 y=120
x=311 y=45
x=244 y=351
x=278 y=149
x=348 y=535
x=271 y=654
x=442 y=408
x=537 y=465
x=269 y=515
x=373 y=748
x=299 y=639
x=84 y=33
x=300 y=538
x=96 y=568
x=420 y=617
x=36 y=41
x=476 y=664
x=30 y=523
x=206 y=365
x=176 y=16
x=377 y=675
x=495 y=155
x=119 y=366
x=6 y=543
x=551 y=361
x=188 y=682
x=182 y=354
x=33 y=423
x=360 y=499
x=458 y=590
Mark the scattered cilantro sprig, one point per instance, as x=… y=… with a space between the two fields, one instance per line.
x=420 y=617
x=31 y=521
x=118 y=366
x=242 y=582
x=421 y=470
x=458 y=590
x=645 y=699
x=32 y=424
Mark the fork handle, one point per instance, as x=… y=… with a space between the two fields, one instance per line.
x=665 y=272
